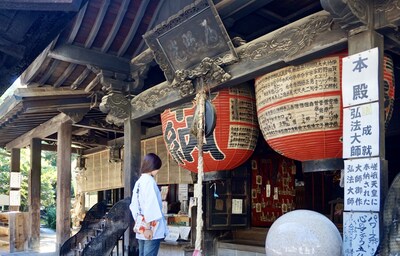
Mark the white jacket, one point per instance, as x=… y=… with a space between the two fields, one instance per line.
x=146 y=200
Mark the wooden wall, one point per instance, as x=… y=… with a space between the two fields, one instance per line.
x=170 y=172
x=101 y=174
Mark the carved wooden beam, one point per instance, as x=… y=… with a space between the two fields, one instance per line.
x=354 y=14
x=139 y=67
x=349 y=14
x=308 y=38
x=116 y=106
x=387 y=14
x=116 y=103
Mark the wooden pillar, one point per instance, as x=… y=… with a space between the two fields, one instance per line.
x=34 y=194
x=63 y=183
x=132 y=154
x=132 y=161
x=15 y=167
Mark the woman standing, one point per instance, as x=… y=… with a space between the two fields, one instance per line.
x=146 y=201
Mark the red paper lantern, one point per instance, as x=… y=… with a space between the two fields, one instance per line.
x=299 y=108
x=230 y=144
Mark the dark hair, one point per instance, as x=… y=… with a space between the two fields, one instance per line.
x=150 y=163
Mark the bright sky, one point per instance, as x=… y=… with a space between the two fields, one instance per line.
x=11 y=89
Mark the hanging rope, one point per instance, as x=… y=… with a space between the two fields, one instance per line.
x=198 y=190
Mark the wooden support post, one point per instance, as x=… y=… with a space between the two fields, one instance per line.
x=63 y=183
x=15 y=167
x=34 y=194
x=132 y=161
x=12 y=227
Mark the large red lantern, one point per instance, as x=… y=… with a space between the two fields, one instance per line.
x=299 y=108
x=229 y=145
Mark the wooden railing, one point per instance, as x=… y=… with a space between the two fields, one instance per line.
x=101 y=231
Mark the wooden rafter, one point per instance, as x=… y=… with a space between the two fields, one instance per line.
x=41 y=5
x=80 y=79
x=96 y=27
x=33 y=69
x=77 y=24
x=117 y=23
x=49 y=72
x=300 y=12
x=132 y=31
x=236 y=10
x=65 y=75
x=272 y=16
x=139 y=49
x=93 y=83
x=41 y=132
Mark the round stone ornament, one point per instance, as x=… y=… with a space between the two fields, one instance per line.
x=303 y=232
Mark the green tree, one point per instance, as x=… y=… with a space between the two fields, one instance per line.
x=4 y=171
x=48 y=177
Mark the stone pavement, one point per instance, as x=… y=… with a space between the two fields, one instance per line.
x=47 y=245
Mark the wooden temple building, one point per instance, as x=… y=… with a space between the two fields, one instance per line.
x=112 y=80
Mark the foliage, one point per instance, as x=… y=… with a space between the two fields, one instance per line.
x=4 y=171
x=51 y=217
x=48 y=177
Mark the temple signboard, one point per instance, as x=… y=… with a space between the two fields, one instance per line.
x=360 y=78
x=185 y=39
x=361 y=153
x=361 y=238
x=362 y=184
x=361 y=131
